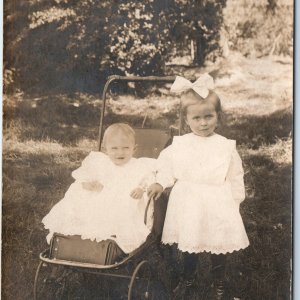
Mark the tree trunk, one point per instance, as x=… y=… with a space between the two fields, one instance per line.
x=200 y=48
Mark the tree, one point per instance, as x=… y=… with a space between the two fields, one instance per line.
x=75 y=44
x=199 y=21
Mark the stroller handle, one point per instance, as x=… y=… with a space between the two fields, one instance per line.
x=126 y=79
x=147 y=208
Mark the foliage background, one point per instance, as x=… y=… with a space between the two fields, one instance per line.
x=69 y=45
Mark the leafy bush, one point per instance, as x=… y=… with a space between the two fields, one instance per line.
x=74 y=45
x=138 y=39
x=199 y=21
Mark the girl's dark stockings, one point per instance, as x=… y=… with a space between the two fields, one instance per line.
x=190 y=262
x=188 y=275
x=218 y=264
x=218 y=290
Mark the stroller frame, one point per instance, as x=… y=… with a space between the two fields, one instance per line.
x=143 y=266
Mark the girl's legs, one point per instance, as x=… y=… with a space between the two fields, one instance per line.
x=187 y=276
x=218 y=264
x=190 y=262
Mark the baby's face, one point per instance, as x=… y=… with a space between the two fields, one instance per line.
x=202 y=118
x=120 y=149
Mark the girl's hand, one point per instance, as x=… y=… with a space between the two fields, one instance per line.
x=137 y=193
x=155 y=190
x=93 y=186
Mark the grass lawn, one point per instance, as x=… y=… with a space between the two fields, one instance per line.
x=45 y=138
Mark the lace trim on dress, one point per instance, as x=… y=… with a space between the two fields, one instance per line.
x=209 y=249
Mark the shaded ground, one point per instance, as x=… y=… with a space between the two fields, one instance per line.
x=46 y=138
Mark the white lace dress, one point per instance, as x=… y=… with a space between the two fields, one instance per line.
x=203 y=209
x=111 y=213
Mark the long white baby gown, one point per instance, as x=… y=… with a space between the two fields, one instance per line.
x=203 y=209
x=109 y=214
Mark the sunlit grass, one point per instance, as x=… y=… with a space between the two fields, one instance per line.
x=45 y=139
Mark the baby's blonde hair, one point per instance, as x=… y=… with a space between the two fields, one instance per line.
x=116 y=128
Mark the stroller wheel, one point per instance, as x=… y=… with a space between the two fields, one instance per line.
x=140 y=286
x=49 y=282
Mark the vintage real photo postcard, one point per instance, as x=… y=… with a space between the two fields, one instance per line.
x=147 y=149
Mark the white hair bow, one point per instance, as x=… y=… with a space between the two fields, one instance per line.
x=201 y=86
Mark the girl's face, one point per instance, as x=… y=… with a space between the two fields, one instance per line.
x=202 y=118
x=120 y=149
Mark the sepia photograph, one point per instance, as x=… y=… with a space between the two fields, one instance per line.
x=147 y=149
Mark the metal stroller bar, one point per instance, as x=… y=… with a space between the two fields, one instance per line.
x=128 y=79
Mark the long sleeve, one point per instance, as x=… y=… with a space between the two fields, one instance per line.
x=235 y=176
x=165 y=175
x=150 y=165
x=90 y=168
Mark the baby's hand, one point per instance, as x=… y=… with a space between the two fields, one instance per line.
x=137 y=193
x=93 y=186
x=155 y=190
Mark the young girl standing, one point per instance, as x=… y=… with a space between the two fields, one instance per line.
x=206 y=173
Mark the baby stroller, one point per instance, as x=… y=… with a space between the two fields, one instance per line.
x=71 y=254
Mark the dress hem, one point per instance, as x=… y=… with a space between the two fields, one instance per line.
x=200 y=250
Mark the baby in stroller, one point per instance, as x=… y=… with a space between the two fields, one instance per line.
x=107 y=201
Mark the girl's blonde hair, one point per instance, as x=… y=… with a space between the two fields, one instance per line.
x=116 y=128
x=190 y=97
